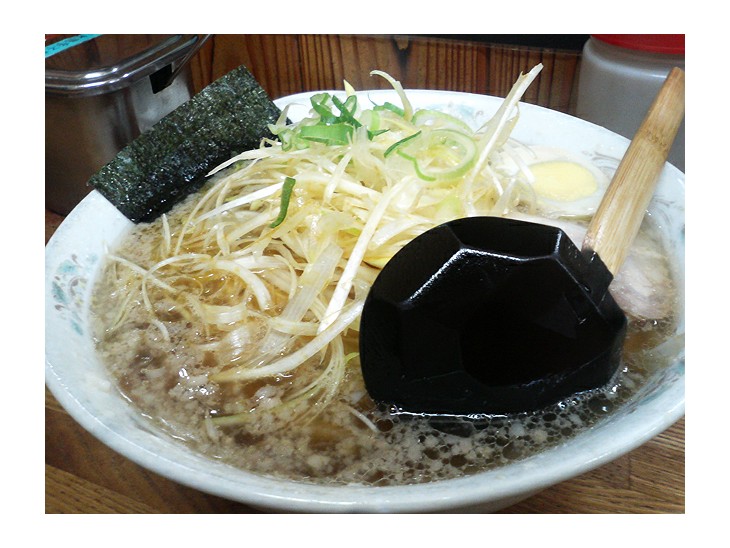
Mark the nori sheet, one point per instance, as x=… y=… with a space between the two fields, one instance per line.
x=170 y=161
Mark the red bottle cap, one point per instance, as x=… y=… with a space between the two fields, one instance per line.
x=671 y=44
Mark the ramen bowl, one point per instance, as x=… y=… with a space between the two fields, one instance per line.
x=81 y=383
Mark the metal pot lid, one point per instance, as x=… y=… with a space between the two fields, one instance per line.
x=109 y=62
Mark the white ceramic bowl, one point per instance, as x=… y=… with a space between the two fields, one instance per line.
x=79 y=381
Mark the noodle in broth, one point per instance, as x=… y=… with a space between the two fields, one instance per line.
x=233 y=322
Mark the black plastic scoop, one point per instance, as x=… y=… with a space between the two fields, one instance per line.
x=487 y=315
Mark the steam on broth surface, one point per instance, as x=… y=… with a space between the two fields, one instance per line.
x=232 y=323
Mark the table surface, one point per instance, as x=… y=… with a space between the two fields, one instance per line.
x=84 y=476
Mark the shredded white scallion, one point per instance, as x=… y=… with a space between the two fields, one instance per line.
x=273 y=278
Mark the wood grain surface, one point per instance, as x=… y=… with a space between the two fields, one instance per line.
x=85 y=477
x=287 y=64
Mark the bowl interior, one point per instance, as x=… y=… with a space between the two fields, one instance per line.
x=80 y=382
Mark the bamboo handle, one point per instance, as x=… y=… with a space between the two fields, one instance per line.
x=622 y=209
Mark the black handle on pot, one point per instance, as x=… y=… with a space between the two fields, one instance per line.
x=161 y=79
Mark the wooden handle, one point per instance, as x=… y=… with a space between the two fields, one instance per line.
x=619 y=215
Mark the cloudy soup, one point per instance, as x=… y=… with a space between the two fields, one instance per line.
x=231 y=323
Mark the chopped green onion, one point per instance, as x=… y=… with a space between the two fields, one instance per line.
x=421 y=175
x=438 y=119
x=371 y=119
x=407 y=108
x=286 y=191
x=327 y=127
x=319 y=105
x=347 y=111
x=286 y=137
x=329 y=134
x=438 y=154
x=394 y=146
x=391 y=107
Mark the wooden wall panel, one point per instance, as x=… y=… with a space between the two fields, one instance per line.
x=273 y=59
x=441 y=64
x=287 y=63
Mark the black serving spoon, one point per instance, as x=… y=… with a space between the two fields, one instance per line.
x=487 y=315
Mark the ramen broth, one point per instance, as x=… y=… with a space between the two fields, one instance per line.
x=351 y=440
